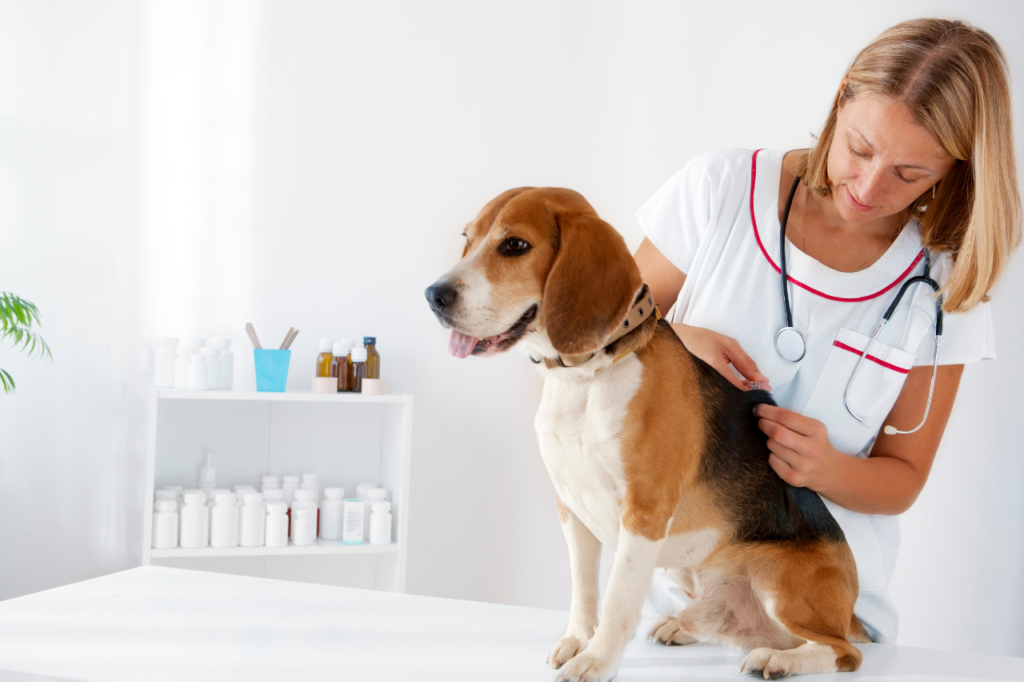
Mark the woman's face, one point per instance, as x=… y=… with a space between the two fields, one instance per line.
x=881 y=159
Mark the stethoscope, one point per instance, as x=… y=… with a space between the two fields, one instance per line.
x=790 y=343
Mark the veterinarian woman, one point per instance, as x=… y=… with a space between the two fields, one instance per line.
x=915 y=163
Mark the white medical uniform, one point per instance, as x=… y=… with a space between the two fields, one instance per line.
x=717 y=221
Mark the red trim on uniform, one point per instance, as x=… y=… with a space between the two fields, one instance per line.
x=757 y=236
x=872 y=358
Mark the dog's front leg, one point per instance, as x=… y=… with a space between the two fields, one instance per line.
x=584 y=560
x=635 y=559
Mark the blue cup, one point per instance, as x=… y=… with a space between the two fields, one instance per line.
x=271 y=369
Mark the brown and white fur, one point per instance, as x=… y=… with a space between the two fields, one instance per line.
x=655 y=454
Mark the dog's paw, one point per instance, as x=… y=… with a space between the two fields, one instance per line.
x=669 y=631
x=771 y=664
x=587 y=667
x=564 y=650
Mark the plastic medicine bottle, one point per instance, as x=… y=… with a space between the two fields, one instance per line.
x=210 y=505
x=208 y=477
x=310 y=481
x=353 y=531
x=302 y=526
x=198 y=373
x=227 y=363
x=380 y=523
x=253 y=524
x=372 y=495
x=290 y=485
x=178 y=492
x=165 y=524
x=358 y=369
x=224 y=524
x=304 y=500
x=332 y=514
x=212 y=367
x=277 y=524
x=181 y=367
x=165 y=362
x=166 y=495
x=372 y=357
x=323 y=361
x=195 y=521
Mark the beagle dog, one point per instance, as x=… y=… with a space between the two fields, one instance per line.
x=650 y=450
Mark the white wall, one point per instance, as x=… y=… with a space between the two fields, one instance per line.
x=182 y=168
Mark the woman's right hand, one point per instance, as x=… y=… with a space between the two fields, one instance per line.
x=719 y=351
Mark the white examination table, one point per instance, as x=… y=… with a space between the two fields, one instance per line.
x=154 y=623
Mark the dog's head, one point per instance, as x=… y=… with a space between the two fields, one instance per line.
x=538 y=262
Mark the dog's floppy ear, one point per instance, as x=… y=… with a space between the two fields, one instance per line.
x=591 y=284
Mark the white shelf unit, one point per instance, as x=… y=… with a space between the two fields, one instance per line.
x=345 y=438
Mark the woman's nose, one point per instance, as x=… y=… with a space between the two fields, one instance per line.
x=870 y=186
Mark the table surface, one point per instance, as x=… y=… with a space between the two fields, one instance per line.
x=155 y=623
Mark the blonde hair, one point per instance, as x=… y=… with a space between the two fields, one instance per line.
x=954 y=79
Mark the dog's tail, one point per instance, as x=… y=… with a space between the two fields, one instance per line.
x=857 y=632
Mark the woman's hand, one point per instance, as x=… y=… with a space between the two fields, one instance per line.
x=801 y=454
x=719 y=350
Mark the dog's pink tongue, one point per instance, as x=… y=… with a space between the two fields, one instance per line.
x=461 y=345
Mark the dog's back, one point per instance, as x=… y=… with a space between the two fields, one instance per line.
x=734 y=463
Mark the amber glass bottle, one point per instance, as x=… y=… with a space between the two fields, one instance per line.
x=372 y=357
x=358 y=369
x=341 y=366
x=323 y=361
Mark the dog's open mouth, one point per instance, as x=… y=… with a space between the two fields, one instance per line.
x=463 y=345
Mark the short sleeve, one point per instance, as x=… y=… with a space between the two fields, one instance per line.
x=676 y=218
x=966 y=337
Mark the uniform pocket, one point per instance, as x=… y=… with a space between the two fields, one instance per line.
x=872 y=395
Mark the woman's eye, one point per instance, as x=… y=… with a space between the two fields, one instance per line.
x=514 y=246
x=857 y=153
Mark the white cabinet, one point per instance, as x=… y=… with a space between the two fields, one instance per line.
x=345 y=438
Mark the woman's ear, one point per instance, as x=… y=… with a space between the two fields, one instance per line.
x=591 y=284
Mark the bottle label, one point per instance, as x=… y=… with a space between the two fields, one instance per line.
x=353 y=534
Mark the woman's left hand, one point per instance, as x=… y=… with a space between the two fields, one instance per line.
x=800 y=452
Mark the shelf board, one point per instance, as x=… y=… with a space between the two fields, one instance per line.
x=322 y=547
x=298 y=395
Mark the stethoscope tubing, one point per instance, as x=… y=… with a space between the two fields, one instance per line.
x=919 y=279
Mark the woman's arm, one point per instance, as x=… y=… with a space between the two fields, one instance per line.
x=890 y=479
x=718 y=350
x=658 y=272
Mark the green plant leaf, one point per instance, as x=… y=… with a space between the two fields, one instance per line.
x=7 y=381
x=27 y=340
x=16 y=319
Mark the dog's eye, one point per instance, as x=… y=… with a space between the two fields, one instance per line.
x=514 y=246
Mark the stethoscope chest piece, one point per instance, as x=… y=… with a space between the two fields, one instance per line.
x=790 y=344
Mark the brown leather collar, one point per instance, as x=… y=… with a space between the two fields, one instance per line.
x=643 y=308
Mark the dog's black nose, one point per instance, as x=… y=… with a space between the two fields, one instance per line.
x=441 y=295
